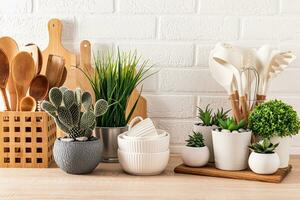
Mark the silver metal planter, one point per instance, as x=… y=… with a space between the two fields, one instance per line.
x=109 y=137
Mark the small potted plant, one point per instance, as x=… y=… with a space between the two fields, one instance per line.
x=195 y=153
x=208 y=122
x=277 y=121
x=114 y=79
x=263 y=159
x=78 y=152
x=230 y=143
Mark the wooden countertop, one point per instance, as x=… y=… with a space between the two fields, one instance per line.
x=109 y=182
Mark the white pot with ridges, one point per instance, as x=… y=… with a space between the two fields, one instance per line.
x=231 y=145
x=195 y=153
x=263 y=159
x=209 y=122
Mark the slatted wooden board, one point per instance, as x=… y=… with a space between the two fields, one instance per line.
x=26 y=139
x=210 y=170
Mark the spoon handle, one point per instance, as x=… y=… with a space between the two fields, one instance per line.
x=4 y=96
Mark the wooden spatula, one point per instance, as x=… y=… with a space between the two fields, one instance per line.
x=4 y=74
x=54 y=70
x=85 y=64
x=55 y=47
x=10 y=47
x=23 y=71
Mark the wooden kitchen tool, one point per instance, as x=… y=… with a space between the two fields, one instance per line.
x=4 y=75
x=247 y=174
x=28 y=104
x=36 y=54
x=38 y=89
x=141 y=107
x=86 y=66
x=55 y=47
x=23 y=71
x=54 y=70
x=63 y=78
x=10 y=47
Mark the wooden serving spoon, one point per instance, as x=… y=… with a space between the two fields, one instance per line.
x=23 y=71
x=28 y=103
x=10 y=47
x=36 y=54
x=55 y=70
x=4 y=75
x=39 y=87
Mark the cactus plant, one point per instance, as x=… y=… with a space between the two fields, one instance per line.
x=65 y=107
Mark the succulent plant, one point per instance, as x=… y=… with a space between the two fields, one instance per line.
x=65 y=106
x=205 y=116
x=231 y=125
x=220 y=114
x=263 y=146
x=195 y=140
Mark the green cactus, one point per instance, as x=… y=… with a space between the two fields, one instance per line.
x=65 y=108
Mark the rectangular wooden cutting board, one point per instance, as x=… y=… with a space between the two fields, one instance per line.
x=210 y=170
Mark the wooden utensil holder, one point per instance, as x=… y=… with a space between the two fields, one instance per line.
x=26 y=139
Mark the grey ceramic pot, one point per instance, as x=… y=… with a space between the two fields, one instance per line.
x=77 y=157
x=109 y=138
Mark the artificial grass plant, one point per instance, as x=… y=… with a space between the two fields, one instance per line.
x=115 y=78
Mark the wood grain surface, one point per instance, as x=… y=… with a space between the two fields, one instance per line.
x=108 y=181
x=247 y=174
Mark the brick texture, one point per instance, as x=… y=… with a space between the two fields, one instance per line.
x=177 y=36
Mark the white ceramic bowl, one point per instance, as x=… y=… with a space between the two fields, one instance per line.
x=152 y=145
x=160 y=133
x=143 y=163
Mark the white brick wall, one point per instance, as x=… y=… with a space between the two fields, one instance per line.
x=177 y=36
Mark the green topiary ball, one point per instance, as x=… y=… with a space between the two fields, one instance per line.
x=274 y=118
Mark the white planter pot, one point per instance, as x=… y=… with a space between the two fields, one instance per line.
x=283 y=150
x=195 y=156
x=264 y=163
x=231 y=150
x=206 y=131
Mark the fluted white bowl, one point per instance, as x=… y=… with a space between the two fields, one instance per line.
x=160 y=133
x=151 y=145
x=143 y=163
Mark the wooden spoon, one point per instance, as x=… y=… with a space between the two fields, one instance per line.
x=23 y=71
x=10 y=47
x=4 y=75
x=55 y=70
x=28 y=103
x=36 y=54
x=39 y=88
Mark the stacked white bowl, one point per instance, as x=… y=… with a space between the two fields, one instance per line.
x=143 y=149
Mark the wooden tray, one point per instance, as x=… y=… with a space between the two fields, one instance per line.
x=210 y=170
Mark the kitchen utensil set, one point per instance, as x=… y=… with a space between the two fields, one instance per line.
x=245 y=73
x=24 y=67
